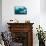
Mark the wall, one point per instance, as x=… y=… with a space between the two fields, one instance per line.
x=33 y=8
x=34 y=14
x=43 y=14
x=0 y=15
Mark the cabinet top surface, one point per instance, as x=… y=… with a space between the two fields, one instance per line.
x=19 y=23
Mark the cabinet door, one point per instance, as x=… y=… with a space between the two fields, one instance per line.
x=20 y=37
x=24 y=38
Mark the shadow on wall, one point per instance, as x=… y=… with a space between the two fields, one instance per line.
x=43 y=6
x=0 y=15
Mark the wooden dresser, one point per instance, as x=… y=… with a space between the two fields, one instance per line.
x=22 y=33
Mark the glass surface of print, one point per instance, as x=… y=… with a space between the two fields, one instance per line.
x=20 y=10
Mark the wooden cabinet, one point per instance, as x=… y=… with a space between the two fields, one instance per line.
x=22 y=33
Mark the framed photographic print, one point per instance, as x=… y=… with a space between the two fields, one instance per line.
x=20 y=10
